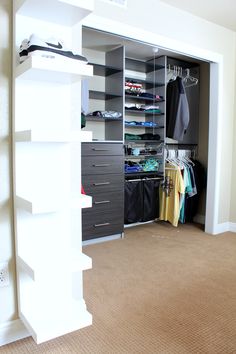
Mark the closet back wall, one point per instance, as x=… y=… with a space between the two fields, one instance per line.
x=191 y=32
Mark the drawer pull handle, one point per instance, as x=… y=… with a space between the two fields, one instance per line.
x=101 y=184
x=102 y=202
x=96 y=149
x=104 y=224
x=102 y=165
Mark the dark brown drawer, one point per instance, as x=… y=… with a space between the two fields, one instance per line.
x=101 y=149
x=100 y=226
x=90 y=232
x=102 y=165
x=103 y=183
x=103 y=203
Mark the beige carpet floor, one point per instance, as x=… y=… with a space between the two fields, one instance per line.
x=160 y=290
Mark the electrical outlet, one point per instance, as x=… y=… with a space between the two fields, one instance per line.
x=4 y=274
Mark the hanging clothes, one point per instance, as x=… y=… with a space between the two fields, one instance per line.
x=170 y=203
x=84 y=101
x=191 y=204
x=177 y=110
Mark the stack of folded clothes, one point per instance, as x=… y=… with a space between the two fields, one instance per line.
x=136 y=89
x=142 y=108
x=134 y=123
x=133 y=88
x=105 y=114
x=145 y=136
x=148 y=165
x=131 y=166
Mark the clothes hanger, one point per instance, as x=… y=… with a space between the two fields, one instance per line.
x=189 y=80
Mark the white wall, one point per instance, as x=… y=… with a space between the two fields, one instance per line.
x=157 y=18
x=8 y=307
x=163 y=20
x=233 y=184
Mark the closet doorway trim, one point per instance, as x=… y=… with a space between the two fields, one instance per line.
x=215 y=99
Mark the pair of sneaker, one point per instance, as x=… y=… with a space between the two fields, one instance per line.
x=51 y=48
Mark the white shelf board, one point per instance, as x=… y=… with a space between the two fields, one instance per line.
x=39 y=205
x=44 y=204
x=55 y=137
x=61 y=70
x=33 y=136
x=63 y=12
x=85 y=201
x=40 y=269
x=45 y=326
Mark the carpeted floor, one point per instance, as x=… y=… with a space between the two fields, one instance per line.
x=160 y=290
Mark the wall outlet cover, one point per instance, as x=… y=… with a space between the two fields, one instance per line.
x=4 y=274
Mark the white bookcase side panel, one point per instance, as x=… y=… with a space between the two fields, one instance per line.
x=42 y=107
x=43 y=172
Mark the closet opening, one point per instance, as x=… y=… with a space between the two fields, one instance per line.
x=128 y=109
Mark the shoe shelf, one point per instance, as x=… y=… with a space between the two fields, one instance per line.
x=31 y=263
x=63 y=12
x=50 y=70
x=70 y=316
x=56 y=137
x=41 y=205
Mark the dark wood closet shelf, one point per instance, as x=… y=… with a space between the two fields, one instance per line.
x=143 y=112
x=144 y=141
x=143 y=127
x=143 y=98
x=99 y=95
x=101 y=119
x=149 y=83
x=104 y=70
x=142 y=66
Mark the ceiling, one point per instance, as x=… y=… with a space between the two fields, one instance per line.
x=221 y=12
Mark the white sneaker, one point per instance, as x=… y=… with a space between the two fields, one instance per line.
x=52 y=48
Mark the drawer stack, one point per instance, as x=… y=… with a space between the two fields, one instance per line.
x=103 y=179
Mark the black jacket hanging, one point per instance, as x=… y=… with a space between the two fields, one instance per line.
x=177 y=110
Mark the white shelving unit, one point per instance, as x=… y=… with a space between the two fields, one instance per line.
x=47 y=171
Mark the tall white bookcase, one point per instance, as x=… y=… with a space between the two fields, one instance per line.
x=47 y=171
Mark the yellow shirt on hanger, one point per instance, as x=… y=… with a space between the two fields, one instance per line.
x=169 y=205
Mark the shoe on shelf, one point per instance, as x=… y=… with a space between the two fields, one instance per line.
x=51 y=48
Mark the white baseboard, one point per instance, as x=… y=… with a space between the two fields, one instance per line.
x=221 y=228
x=232 y=226
x=200 y=219
x=12 y=331
x=101 y=239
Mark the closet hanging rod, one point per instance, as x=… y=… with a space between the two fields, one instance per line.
x=143 y=179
